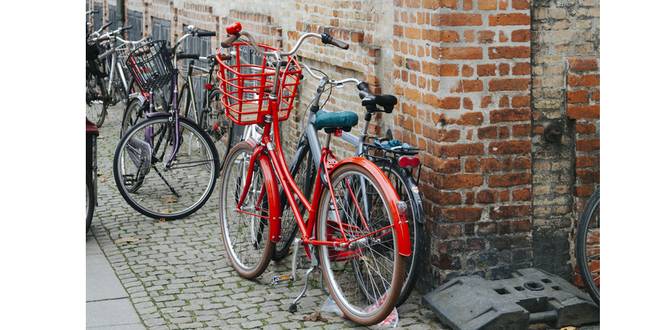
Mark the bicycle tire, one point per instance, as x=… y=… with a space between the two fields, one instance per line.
x=240 y=154
x=586 y=218
x=133 y=113
x=123 y=190
x=415 y=213
x=91 y=204
x=104 y=96
x=385 y=303
x=288 y=223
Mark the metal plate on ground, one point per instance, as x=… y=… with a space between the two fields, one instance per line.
x=530 y=296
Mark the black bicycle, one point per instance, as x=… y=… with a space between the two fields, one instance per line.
x=588 y=246
x=398 y=161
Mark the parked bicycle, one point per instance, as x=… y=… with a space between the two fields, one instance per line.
x=356 y=230
x=106 y=81
x=398 y=161
x=209 y=117
x=587 y=246
x=165 y=166
x=91 y=132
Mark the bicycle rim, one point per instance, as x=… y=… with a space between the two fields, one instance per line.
x=96 y=100
x=373 y=260
x=589 y=248
x=245 y=232
x=161 y=191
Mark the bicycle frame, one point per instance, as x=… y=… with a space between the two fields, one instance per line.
x=274 y=166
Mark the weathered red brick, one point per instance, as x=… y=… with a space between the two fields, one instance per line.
x=509 y=180
x=509 y=52
x=465 y=214
x=510 y=211
x=521 y=35
x=583 y=111
x=581 y=96
x=457 y=181
x=461 y=150
x=587 y=145
x=486 y=70
x=510 y=84
x=456 y=19
x=509 y=19
x=457 y=53
x=510 y=147
x=582 y=64
x=509 y=115
x=583 y=80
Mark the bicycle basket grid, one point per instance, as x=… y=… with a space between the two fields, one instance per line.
x=246 y=83
x=150 y=65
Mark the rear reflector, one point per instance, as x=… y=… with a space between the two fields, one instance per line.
x=408 y=161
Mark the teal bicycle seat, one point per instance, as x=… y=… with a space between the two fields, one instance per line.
x=329 y=121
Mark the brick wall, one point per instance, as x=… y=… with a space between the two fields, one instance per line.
x=561 y=30
x=463 y=70
x=477 y=81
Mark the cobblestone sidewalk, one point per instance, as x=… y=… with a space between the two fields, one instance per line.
x=177 y=277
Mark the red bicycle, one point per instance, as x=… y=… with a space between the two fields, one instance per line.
x=356 y=229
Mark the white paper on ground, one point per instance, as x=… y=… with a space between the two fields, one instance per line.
x=391 y=321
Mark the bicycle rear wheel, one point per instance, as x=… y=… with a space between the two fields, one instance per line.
x=245 y=231
x=407 y=190
x=365 y=278
x=149 y=184
x=588 y=246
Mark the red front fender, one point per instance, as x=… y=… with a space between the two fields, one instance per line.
x=391 y=197
x=270 y=183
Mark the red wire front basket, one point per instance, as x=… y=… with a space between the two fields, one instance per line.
x=246 y=80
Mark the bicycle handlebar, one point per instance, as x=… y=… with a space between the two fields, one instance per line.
x=235 y=31
x=194 y=32
x=331 y=81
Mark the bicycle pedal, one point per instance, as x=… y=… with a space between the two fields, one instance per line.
x=279 y=279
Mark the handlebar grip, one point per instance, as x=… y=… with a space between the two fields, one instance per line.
x=328 y=39
x=234 y=28
x=183 y=56
x=363 y=86
x=206 y=34
x=230 y=40
x=126 y=28
x=223 y=57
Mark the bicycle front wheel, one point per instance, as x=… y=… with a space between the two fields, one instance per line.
x=588 y=246
x=245 y=228
x=159 y=180
x=364 y=278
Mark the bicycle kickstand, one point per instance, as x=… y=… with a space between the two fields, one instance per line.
x=294 y=305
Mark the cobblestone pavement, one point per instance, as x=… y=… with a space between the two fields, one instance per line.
x=176 y=274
